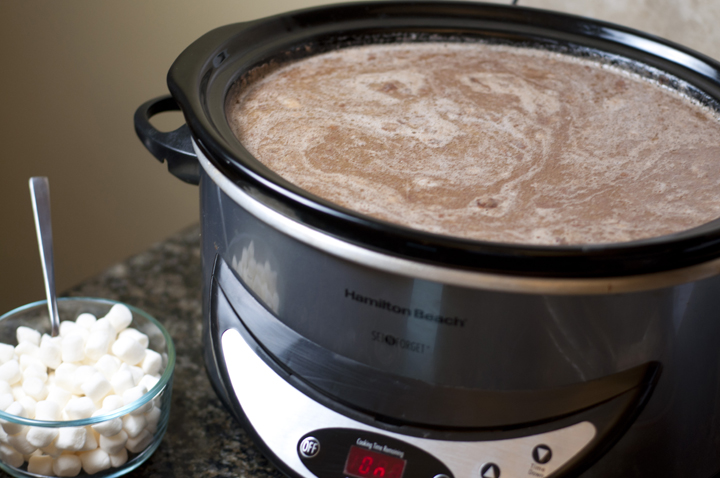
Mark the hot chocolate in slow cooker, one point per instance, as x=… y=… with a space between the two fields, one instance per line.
x=352 y=346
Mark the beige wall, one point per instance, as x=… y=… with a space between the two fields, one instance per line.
x=72 y=73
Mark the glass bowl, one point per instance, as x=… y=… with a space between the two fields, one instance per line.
x=151 y=409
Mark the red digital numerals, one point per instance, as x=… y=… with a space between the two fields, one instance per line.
x=363 y=463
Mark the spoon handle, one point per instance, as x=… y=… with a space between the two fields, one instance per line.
x=40 y=194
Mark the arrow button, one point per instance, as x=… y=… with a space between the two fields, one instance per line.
x=542 y=454
x=490 y=470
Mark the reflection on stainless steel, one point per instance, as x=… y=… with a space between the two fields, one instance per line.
x=259 y=277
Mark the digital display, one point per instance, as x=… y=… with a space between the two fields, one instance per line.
x=363 y=463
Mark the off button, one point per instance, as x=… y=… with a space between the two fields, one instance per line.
x=309 y=447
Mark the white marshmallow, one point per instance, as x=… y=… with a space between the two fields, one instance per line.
x=35 y=388
x=108 y=365
x=27 y=348
x=71 y=438
x=29 y=405
x=128 y=349
x=120 y=317
x=119 y=458
x=10 y=372
x=149 y=381
x=7 y=352
x=67 y=464
x=153 y=418
x=65 y=376
x=152 y=363
x=41 y=437
x=58 y=395
x=98 y=344
x=95 y=461
x=26 y=334
x=108 y=427
x=21 y=443
x=80 y=407
x=112 y=402
x=50 y=352
x=73 y=348
x=11 y=456
x=140 y=442
x=47 y=410
x=6 y=399
x=40 y=465
x=18 y=410
x=121 y=381
x=132 y=394
x=113 y=444
x=96 y=387
x=85 y=320
x=91 y=440
x=134 y=424
x=135 y=334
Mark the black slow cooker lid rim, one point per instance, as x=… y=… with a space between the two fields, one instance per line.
x=597 y=260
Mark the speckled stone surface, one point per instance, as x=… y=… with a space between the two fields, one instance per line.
x=202 y=439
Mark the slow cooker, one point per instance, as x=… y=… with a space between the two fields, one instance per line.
x=349 y=346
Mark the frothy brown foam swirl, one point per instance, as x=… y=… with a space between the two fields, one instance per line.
x=486 y=142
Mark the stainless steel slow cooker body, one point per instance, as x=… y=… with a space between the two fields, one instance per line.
x=431 y=336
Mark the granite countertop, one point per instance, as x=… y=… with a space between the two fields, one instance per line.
x=202 y=439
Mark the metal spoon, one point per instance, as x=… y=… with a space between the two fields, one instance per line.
x=40 y=194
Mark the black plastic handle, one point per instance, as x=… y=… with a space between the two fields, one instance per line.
x=174 y=147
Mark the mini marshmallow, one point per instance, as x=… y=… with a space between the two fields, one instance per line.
x=140 y=442
x=71 y=438
x=47 y=410
x=85 y=320
x=149 y=381
x=96 y=387
x=91 y=440
x=27 y=348
x=21 y=443
x=80 y=407
x=135 y=393
x=120 y=317
x=98 y=344
x=41 y=437
x=50 y=352
x=67 y=464
x=18 y=410
x=108 y=427
x=95 y=461
x=26 y=334
x=29 y=405
x=121 y=381
x=65 y=376
x=119 y=458
x=153 y=418
x=108 y=365
x=7 y=353
x=35 y=388
x=135 y=334
x=152 y=363
x=11 y=456
x=128 y=350
x=133 y=424
x=113 y=402
x=10 y=372
x=66 y=327
x=73 y=348
x=113 y=444
x=58 y=395
x=6 y=399
x=40 y=465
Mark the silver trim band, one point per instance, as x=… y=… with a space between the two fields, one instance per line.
x=447 y=275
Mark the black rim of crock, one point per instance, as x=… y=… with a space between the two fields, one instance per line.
x=202 y=75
